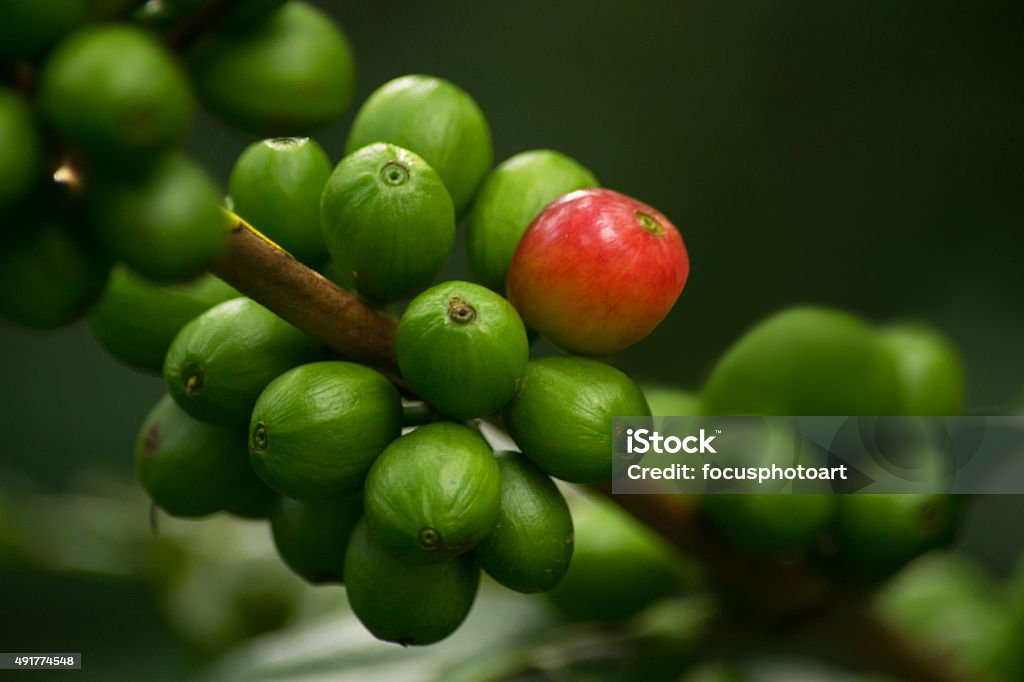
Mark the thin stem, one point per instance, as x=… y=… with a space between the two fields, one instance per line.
x=266 y=273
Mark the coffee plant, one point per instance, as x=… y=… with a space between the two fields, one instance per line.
x=367 y=442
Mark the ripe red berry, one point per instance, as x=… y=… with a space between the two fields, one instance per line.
x=597 y=271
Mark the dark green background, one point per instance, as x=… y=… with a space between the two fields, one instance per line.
x=865 y=155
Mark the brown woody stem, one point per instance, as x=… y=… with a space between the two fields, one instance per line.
x=341 y=320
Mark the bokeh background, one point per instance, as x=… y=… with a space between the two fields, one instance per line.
x=862 y=155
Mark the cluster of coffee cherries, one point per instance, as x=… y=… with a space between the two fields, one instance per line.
x=403 y=502
x=96 y=100
x=258 y=419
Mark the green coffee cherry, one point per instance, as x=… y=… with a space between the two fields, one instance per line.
x=771 y=518
x=878 y=534
x=509 y=199
x=947 y=602
x=135 y=320
x=1008 y=657
x=388 y=220
x=317 y=429
x=221 y=361
x=765 y=523
x=805 y=361
x=227 y=589
x=50 y=271
x=190 y=468
x=289 y=73
x=257 y=506
x=905 y=454
x=561 y=415
x=666 y=401
x=276 y=185
x=20 y=152
x=531 y=544
x=312 y=536
x=433 y=493
x=30 y=29
x=612 y=546
x=462 y=347
x=929 y=368
x=166 y=225
x=435 y=119
x=403 y=603
x=114 y=91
